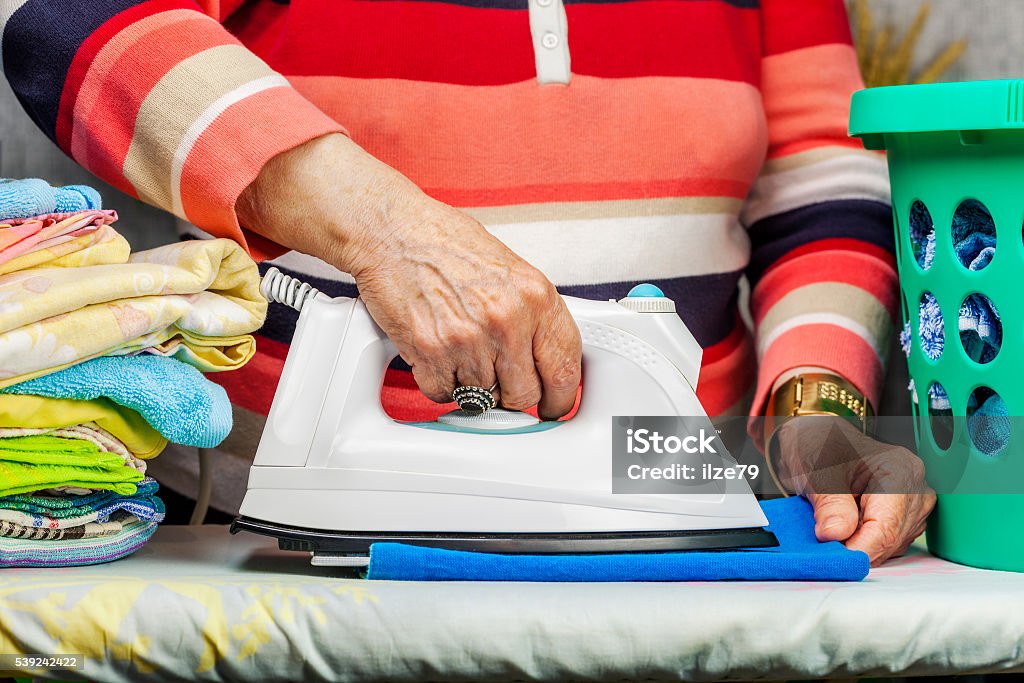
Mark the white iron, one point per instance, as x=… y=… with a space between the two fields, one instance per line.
x=334 y=473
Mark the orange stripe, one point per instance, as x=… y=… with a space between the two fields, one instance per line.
x=117 y=92
x=807 y=97
x=860 y=270
x=620 y=138
x=230 y=153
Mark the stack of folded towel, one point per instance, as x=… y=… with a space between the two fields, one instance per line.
x=101 y=359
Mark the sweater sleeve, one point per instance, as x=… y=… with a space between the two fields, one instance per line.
x=158 y=99
x=822 y=270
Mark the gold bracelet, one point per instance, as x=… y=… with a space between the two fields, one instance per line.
x=811 y=394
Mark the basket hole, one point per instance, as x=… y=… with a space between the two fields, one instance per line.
x=930 y=328
x=940 y=414
x=922 y=234
x=987 y=421
x=974 y=234
x=981 y=329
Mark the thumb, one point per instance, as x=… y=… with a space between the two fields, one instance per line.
x=836 y=515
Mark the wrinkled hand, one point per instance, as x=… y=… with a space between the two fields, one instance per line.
x=868 y=494
x=463 y=309
x=460 y=306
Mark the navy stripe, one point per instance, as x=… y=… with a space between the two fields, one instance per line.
x=774 y=237
x=40 y=40
x=524 y=4
x=706 y=303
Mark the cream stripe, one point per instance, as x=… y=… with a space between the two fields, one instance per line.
x=202 y=123
x=92 y=90
x=853 y=176
x=818 y=319
x=619 y=208
x=576 y=252
x=173 y=106
x=610 y=250
x=7 y=10
x=810 y=156
x=831 y=297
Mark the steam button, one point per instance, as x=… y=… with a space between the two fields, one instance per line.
x=648 y=298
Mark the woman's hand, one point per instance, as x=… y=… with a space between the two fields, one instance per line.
x=868 y=494
x=459 y=305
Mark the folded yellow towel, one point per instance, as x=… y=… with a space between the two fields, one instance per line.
x=196 y=301
x=124 y=424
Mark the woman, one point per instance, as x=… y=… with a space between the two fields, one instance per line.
x=587 y=144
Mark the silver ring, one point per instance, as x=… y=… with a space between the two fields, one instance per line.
x=475 y=400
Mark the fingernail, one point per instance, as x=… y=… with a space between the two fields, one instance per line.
x=832 y=523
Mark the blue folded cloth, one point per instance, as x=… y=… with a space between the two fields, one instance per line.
x=34 y=197
x=799 y=557
x=174 y=397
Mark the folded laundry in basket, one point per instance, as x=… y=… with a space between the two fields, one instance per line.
x=204 y=293
x=29 y=197
x=799 y=557
x=173 y=397
x=41 y=412
x=75 y=552
x=57 y=511
x=32 y=463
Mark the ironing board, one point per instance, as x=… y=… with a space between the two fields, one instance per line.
x=197 y=604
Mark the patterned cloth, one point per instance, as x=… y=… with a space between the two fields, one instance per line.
x=204 y=294
x=30 y=242
x=75 y=552
x=85 y=530
x=64 y=511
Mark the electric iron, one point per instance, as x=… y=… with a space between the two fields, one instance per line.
x=334 y=473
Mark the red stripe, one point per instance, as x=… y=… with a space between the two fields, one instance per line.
x=729 y=344
x=665 y=38
x=837 y=244
x=450 y=43
x=796 y=24
x=87 y=52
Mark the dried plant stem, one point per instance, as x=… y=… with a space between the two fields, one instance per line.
x=941 y=63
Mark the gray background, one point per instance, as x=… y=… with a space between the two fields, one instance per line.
x=995 y=50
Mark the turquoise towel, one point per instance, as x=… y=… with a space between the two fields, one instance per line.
x=798 y=557
x=35 y=197
x=172 y=396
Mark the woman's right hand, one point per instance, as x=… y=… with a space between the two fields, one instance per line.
x=460 y=306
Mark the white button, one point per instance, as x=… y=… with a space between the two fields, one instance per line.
x=550 y=41
x=544 y=3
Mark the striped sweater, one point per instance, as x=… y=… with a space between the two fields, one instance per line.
x=686 y=143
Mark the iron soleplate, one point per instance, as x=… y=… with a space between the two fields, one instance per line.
x=357 y=543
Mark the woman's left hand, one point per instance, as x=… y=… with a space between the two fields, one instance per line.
x=870 y=495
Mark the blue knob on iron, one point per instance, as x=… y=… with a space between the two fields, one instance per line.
x=648 y=298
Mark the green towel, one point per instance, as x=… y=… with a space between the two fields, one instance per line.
x=31 y=463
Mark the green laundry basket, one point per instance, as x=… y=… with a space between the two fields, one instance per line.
x=950 y=146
